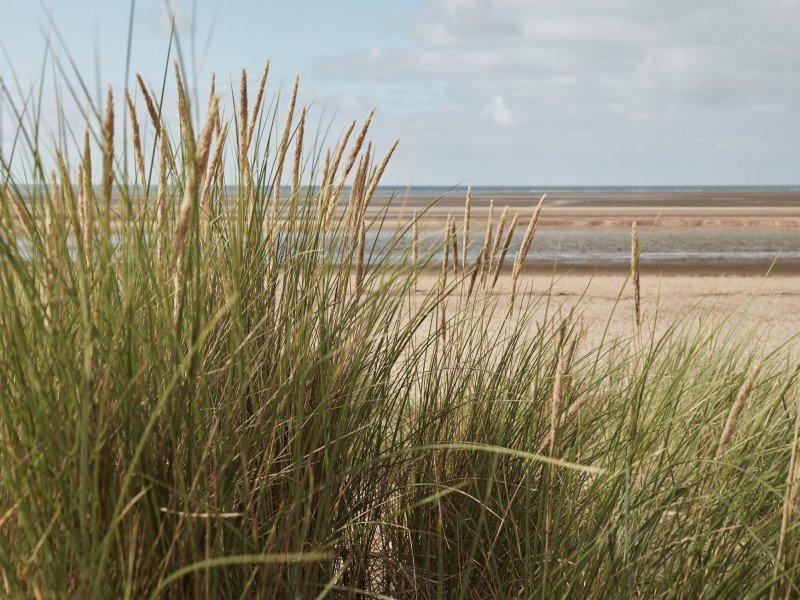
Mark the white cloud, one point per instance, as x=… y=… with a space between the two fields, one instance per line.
x=616 y=90
x=717 y=52
x=499 y=113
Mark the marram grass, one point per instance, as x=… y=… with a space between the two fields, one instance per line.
x=213 y=384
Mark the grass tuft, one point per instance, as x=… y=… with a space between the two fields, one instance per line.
x=216 y=393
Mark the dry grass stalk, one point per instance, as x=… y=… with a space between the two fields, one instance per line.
x=212 y=93
x=327 y=198
x=378 y=173
x=218 y=124
x=504 y=251
x=522 y=253
x=212 y=88
x=351 y=159
x=483 y=256
x=283 y=147
x=454 y=242
x=185 y=115
x=243 y=118
x=362 y=242
x=498 y=232
x=498 y=235
x=354 y=204
x=555 y=413
x=736 y=410
x=19 y=208
x=182 y=225
x=415 y=239
x=465 y=228
x=179 y=249
x=298 y=154
x=160 y=130
x=339 y=151
x=414 y=250
x=162 y=206
x=790 y=495
x=190 y=194
x=450 y=238
x=136 y=137
x=557 y=398
x=67 y=198
x=51 y=213
x=86 y=198
x=637 y=304
x=262 y=84
x=530 y=232
x=487 y=236
x=443 y=292
x=204 y=146
x=155 y=118
x=572 y=410
x=561 y=382
x=149 y=104
x=477 y=267
x=67 y=192
x=108 y=163
x=54 y=206
x=213 y=165
x=322 y=207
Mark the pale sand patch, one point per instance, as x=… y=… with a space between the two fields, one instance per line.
x=764 y=309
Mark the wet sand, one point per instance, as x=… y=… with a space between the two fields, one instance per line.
x=681 y=207
x=609 y=216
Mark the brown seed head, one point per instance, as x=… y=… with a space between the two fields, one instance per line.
x=467 y=219
x=298 y=153
x=148 y=102
x=376 y=176
x=262 y=84
x=108 y=149
x=637 y=309
x=137 y=140
x=351 y=159
x=504 y=252
x=736 y=409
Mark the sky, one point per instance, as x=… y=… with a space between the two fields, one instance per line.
x=481 y=92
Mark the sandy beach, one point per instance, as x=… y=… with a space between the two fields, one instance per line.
x=764 y=309
x=726 y=256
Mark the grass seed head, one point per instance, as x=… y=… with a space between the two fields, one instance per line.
x=736 y=409
x=504 y=251
x=137 y=140
x=466 y=226
x=637 y=308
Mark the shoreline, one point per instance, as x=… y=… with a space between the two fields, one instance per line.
x=603 y=216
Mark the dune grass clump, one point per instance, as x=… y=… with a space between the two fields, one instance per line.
x=216 y=382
